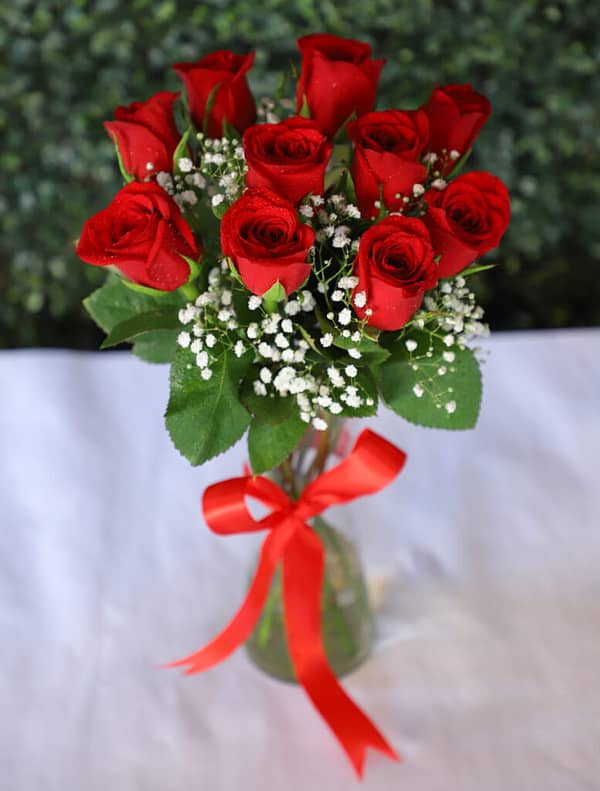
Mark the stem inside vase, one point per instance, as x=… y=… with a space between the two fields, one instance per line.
x=347 y=627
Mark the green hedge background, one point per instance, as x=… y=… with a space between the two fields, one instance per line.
x=64 y=66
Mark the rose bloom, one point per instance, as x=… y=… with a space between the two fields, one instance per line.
x=289 y=158
x=395 y=266
x=143 y=234
x=265 y=240
x=233 y=101
x=456 y=114
x=466 y=219
x=388 y=145
x=146 y=134
x=338 y=78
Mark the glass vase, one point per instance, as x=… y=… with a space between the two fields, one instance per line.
x=347 y=626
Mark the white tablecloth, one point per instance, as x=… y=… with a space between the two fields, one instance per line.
x=485 y=554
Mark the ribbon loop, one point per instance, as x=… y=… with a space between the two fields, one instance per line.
x=372 y=464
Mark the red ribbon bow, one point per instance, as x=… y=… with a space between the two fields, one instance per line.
x=373 y=463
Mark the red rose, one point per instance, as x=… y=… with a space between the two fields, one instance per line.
x=387 y=147
x=466 y=219
x=290 y=158
x=395 y=266
x=456 y=114
x=143 y=234
x=261 y=233
x=146 y=134
x=338 y=78
x=232 y=99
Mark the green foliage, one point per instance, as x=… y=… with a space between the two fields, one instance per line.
x=165 y=319
x=270 y=410
x=425 y=388
x=269 y=445
x=120 y=310
x=65 y=66
x=205 y=418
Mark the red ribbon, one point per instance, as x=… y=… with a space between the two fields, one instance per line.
x=373 y=464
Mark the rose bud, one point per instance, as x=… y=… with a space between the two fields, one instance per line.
x=338 y=78
x=456 y=114
x=466 y=219
x=395 y=266
x=265 y=240
x=224 y=74
x=143 y=234
x=289 y=158
x=146 y=135
x=388 y=145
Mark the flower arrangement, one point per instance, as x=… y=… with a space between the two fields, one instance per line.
x=297 y=262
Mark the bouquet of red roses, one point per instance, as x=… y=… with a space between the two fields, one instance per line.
x=298 y=261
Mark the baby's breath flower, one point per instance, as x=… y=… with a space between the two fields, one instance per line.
x=183 y=339
x=345 y=317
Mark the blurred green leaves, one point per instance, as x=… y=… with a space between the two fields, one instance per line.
x=66 y=65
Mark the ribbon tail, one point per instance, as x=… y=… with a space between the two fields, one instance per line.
x=303 y=567
x=240 y=627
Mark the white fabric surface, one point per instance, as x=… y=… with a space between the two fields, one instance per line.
x=485 y=551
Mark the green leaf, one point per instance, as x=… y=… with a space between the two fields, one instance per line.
x=305 y=109
x=152 y=292
x=204 y=418
x=165 y=319
x=229 y=131
x=158 y=346
x=115 y=302
x=459 y=165
x=367 y=388
x=127 y=177
x=449 y=378
x=473 y=270
x=371 y=351
x=182 y=149
x=210 y=103
x=273 y=297
x=269 y=445
x=271 y=409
